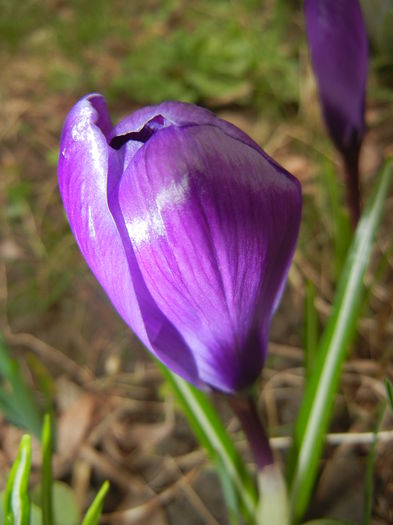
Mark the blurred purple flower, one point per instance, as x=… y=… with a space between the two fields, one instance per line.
x=189 y=227
x=339 y=51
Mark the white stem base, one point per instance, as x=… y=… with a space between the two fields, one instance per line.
x=273 y=507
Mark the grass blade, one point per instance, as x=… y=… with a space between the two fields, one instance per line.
x=341 y=227
x=16 y=497
x=213 y=436
x=389 y=393
x=310 y=331
x=94 y=512
x=16 y=398
x=368 y=493
x=316 y=408
x=230 y=493
x=46 y=472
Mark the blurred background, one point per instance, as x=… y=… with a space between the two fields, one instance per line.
x=248 y=61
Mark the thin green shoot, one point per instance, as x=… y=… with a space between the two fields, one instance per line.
x=93 y=513
x=368 y=495
x=341 y=228
x=315 y=412
x=389 y=392
x=311 y=328
x=46 y=472
x=16 y=497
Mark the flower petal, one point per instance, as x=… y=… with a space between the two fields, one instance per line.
x=89 y=172
x=180 y=114
x=83 y=171
x=213 y=225
x=339 y=51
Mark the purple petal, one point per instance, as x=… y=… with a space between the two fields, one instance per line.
x=213 y=224
x=338 y=43
x=83 y=173
x=180 y=114
x=89 y=170
x=189 y=227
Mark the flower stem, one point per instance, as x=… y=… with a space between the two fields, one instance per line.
x=351 y=162
x=246 y=410
x=273 y=505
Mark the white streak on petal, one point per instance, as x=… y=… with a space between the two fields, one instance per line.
x=92 y=230
x=151 y=226
x=95 y=151
x=173 y=194
x=79 y=129
x=138 y=230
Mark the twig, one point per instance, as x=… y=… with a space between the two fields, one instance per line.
x=193 y=497
x=339 y=438
x=143 y=510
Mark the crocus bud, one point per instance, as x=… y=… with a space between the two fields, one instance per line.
x=338 y=43
x=188 y=226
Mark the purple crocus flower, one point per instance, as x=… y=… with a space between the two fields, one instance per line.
x=339 y=51
x=190 y=229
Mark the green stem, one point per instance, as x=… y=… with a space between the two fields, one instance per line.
x=47 y=477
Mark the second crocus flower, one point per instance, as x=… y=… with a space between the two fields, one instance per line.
x=339 y=52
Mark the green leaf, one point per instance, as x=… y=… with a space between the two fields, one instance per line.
x=316 y=408
x=35 y=512
x=16 y=398
x=213 y=436
x=230 y=492
x=46 y=472
x=16 y=497
x=63 y=497
x=94 y=512
x=389 y=393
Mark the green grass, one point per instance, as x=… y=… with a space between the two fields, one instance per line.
x=216 y=53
